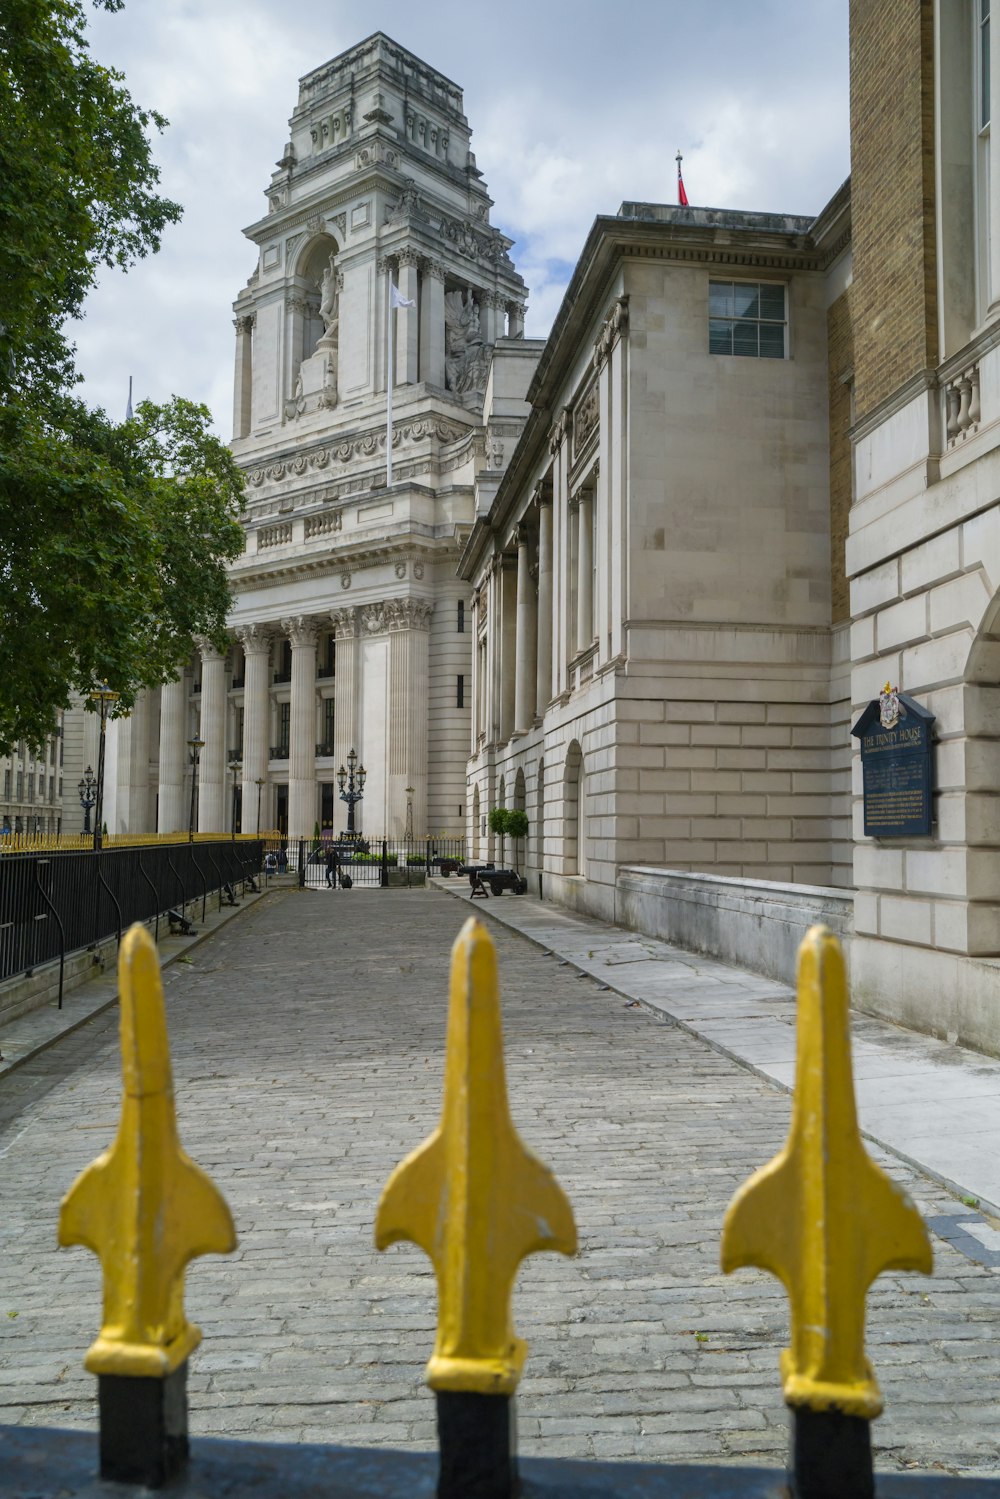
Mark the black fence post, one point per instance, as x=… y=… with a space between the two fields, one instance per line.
x=384 y=873
x=302 y=863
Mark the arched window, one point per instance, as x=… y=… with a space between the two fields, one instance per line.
x=574 y=813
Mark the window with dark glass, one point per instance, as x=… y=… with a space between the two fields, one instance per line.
x=460 y=692
x=284 y=726
x=461 y=617
x=746 y=318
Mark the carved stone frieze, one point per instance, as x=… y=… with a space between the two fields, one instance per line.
x=375 y=619
x=409 y=614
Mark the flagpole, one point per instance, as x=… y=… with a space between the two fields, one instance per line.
x=390 y=375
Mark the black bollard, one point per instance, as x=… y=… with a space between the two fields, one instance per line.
x=144 y=1427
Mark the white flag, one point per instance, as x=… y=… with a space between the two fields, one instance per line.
x=396 y=298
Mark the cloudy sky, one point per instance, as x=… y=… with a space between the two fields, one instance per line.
x=574 y=105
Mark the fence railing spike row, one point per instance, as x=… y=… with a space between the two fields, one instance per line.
x=821 y=1216
x=826 y=1220
x=146 y=1210
x=477 y=1201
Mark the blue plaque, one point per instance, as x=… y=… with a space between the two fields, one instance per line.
x=898 y=766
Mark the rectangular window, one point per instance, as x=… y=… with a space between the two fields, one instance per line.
x=461 y=616
x=284 y=726
x=746 y=318
x=20 y=785
x=460 y=692
x=6 y=784
x=328 y=709
x=240 y=712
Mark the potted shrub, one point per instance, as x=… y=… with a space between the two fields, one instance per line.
x=499 y=821
x=517 y=828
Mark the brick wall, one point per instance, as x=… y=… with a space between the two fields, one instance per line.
x=892 y=195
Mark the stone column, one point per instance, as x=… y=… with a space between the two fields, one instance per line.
x=994 y=193
x=432 y=324
x=475 y=718
x=243 y=383
x=212 y=767
x=171 y=812
x=345 y=713
x=524 y=661
x=585 y=573
x=132 y=799
x=491 y=310
x=561 y=554
x=302 y=632
x=406 y=320
x=515 y=317
x=296 y=312
x=508 y=644
x=256 y=642
x=406 y=731
x=491 y=673
x=543 y=675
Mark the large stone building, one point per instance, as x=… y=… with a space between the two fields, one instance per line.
x=649 y=574
x=349 y=621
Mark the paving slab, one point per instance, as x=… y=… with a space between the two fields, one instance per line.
x=930 y=1103
x=307 y=1040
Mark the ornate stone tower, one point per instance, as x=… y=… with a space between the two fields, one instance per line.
x=350 y=617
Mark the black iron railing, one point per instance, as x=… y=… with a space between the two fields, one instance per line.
x=58 y=902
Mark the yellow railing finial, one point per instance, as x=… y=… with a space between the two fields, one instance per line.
x=822 y=1216
x=473 y=1197
x=144 y=1207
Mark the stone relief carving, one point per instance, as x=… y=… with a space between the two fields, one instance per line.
x=345 y=580
x=427 y=133
x=255 y=639
x=586 y=417
x=375 y=619
x=365 y=445
x=410 y=205
x=409 y=614
x=615 y=325
x=466 y=357
x=344 y=622
x=377 y=154
x=400 y=569
x=340 y=220
x=246 y=323
x=209 y=652
x=301 y=629
x=496 y=452
x=560 y=430
x=418 y=569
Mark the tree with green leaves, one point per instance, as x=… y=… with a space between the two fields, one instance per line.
x=113 y=539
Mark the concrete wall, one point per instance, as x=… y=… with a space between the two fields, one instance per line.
x=756 y=924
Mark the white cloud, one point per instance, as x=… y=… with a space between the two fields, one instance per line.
x=564 y=129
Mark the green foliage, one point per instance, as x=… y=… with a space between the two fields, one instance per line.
x=498 y=820
x=517 y=824
x=77 y=186
x=113 y=541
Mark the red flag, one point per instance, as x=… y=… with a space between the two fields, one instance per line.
x=682 y=196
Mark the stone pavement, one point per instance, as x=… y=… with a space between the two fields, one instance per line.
x=307 y=1040
x=931 y=1104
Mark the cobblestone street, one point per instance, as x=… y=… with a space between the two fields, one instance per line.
x=307 y=1041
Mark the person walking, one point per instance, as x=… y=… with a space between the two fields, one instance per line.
x=332 y=870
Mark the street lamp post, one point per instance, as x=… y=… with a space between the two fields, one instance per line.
x=352 y=787
x=87 y=787
x=104 y=696
x=235 y=767
x=195 y=746
x=259 y=783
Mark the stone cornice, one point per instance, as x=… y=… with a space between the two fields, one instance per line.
x=278 y=572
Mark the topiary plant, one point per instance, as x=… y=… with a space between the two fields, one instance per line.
x=517 y=827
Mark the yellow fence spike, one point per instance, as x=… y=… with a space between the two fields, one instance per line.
x=473 y=1196
x=144 y=1207
x=822 y=1216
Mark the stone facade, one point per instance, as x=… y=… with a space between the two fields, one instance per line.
x=31 y=787
x=346 y=620
x=656 y=678
x=923 y=554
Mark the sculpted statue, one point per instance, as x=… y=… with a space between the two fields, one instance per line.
x=466 y=357
x=329 y=305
